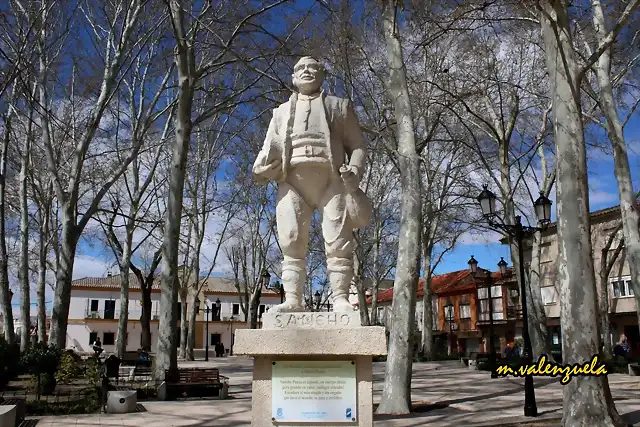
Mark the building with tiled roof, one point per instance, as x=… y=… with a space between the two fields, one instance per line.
x=467 y=327
x=95 y=309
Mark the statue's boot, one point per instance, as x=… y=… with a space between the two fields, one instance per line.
x=293 y=276
x=340 y=274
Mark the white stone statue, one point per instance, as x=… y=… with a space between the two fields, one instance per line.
x=309 y=139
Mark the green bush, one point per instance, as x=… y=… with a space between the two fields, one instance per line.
x=69 y=367
x=91 y=372
x=9 y=362
x=42 y=362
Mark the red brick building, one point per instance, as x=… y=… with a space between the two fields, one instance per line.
x=467 y=330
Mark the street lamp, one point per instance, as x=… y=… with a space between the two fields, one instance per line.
x=316 y=299
x=207 y=310
x=473 y=267
x=542 y=208
x=449 y=310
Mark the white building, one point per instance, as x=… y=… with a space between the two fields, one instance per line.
x=95 y=310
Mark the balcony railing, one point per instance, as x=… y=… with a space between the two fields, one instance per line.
x=102 y=314
x=514 y=313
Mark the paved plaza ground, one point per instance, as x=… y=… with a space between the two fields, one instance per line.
x=446 y=393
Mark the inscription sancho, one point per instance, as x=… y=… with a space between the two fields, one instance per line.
x=311 y=320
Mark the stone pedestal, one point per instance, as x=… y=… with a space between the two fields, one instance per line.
x=8 y=415
x=310 y=337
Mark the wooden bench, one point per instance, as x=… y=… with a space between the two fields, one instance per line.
x=191 y=382
x=132 y=358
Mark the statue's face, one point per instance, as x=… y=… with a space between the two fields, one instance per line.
x=308 y=75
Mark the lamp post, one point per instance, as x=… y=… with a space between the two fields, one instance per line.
x=473 y=267
x=449 y=309
x=518 y=231
x=207 y=310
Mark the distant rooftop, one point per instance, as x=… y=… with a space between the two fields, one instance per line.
x=213 y=285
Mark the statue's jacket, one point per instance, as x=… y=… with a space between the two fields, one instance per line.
x=345 y=137
x=345 y=140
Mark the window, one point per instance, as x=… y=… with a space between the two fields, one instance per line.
x=109 y=338
x=94 y=305
x=92 y=337
x=496 y=291
x=449 y=312
x=622 y=288
x=236 y=309
x=465 y=311
x=548 y=295
x=109 y=309
x=498 y=314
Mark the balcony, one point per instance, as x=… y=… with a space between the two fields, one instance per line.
x=514 y=313
x=102 y=314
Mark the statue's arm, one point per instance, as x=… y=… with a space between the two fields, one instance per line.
x=354 y=140
x=267 y=165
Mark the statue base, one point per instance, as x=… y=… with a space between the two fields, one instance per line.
x=312 y=369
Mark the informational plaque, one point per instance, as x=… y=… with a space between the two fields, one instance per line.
x=312 y=391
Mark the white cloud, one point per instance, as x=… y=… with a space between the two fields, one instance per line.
x=88 y=266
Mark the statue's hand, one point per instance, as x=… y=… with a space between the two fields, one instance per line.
x=349 y=175
x=272 y=171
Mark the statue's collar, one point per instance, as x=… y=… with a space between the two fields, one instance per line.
x=298 y=96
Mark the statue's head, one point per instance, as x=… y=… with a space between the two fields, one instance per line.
x=308 y=75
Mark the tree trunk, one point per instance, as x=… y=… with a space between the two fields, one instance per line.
x=606 y=265
x=167 y=357
x=191 y=333
x=585 y=398
x=362 y=305
x=427 y=312
x=254 y=304
x=358 y=278
x=145 y=317
x=622 y=172
x=538 y=331
x=184 y=325
x=42 y=272
x=123 y=318
x=23 y=272
x=396 y=395
x=5 y=296
x=62 y=293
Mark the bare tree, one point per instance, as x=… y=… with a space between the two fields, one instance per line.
x=5 y=292
x=396 y=395
x=120 y=47
x=194 y=62
x=615 y=130
x=581 y=334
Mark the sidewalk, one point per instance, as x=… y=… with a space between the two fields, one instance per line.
x=466 y=398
